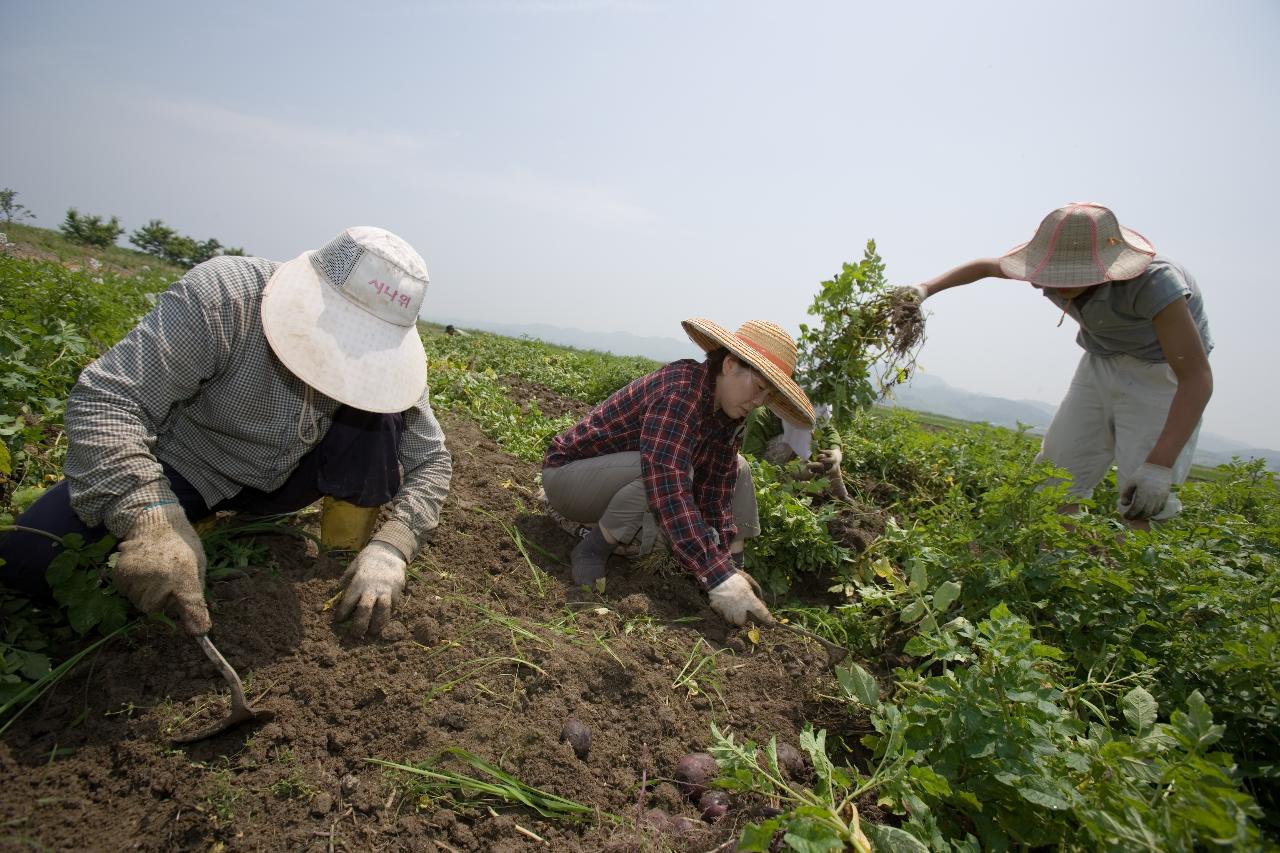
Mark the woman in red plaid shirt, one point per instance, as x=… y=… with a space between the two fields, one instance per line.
x=663 y=453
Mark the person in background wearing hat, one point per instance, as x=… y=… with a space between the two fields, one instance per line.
x=1144 y=379
x=768 y=437
x=258 y=387
x=664 y=449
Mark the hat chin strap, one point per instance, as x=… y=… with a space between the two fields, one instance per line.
x=307 y=429
x=1064 y=312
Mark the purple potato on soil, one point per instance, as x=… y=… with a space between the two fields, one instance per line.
x=793 y=762
x=694 y=773
x=681 y=825
x=578 y=736
x=714 y=805
x=655 y=819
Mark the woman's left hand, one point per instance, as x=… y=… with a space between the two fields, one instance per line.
x=1145 y=495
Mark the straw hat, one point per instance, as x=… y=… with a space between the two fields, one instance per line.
x=344 y=319
x=1077 y=246
x=770 y=351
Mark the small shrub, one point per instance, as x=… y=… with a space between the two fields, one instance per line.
x=91 y=230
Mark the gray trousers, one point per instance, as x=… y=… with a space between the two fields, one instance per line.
x=609 y=490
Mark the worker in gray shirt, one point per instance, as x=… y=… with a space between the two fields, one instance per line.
x=1143 y=381
x=260 y=387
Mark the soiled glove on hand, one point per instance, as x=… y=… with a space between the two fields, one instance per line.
x=1145 y=495
x=161 y=567
x=374 y=581
x=830 y=458
x=734 y=601
x=917 y=291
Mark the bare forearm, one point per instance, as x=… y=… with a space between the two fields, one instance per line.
x=1188 y=405
x=964 y=274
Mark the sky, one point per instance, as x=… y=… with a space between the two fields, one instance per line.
x=620 y=165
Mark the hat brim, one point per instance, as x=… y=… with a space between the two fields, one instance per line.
x=789 y=402
x=1125 y=260
x=337 y=347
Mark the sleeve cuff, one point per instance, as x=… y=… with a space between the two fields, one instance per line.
x=121 y=517
x=398 y=535
x=720 y=571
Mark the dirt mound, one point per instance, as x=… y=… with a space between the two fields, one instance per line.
x=548 y=401
x=484 y=654
x=857 y=525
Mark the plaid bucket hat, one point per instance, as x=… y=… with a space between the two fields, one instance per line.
x=1079 y=245
x=770 y=351
x=343 y=319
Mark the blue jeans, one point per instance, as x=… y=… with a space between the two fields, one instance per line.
x=356 y=461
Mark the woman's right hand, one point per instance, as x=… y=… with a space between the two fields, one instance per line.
x=735 y=601
x=918 y=292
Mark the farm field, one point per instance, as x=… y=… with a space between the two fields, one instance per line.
x=1015 y=679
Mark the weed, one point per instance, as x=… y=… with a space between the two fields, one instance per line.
x=283 y=755
x=698 y=676
x=470 y=670
x=221 y=795
x=293 y=787
x=495 y=785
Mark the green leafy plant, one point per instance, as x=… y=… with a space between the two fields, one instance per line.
x=997 y=742
x=864 y=338
x=794 y=536
x=76 y=576
x=819 y=816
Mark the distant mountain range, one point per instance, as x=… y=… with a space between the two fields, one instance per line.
x=926 y=393
x=618 y=343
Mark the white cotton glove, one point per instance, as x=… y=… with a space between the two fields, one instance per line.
x=1146 y=493
x=374 y=581
x=918 y=291
x=830 y=460
x=161 y=567
x=734 y=601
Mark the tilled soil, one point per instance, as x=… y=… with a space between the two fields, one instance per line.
x=483 y=654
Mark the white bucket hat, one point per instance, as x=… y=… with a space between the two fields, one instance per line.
x=1079 y=245
x=344 y=319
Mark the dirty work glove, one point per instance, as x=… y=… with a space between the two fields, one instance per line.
x=734 y=601
x=1145 y=495
x=830 y=458
x=161 y=567
x=374 y=581
x=915 y=291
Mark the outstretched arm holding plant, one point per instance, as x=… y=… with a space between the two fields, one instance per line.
x=967 y=273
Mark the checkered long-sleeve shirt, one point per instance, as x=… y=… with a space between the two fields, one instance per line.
x=196 y=385
x=670 y=417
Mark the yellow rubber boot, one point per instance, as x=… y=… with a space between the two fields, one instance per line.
x=345 y=526
x=205 y=526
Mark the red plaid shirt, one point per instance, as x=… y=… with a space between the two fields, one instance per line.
x=670 y=416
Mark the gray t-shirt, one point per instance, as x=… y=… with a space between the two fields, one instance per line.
x=1117 y=317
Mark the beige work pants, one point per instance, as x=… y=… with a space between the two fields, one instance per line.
x=608 y=490
x=1114 y=411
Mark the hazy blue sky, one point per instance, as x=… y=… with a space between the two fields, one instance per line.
x=624 y=165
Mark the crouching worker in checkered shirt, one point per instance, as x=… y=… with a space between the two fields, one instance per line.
x=663 y=453
x=258 y=387
x=1144 y=379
